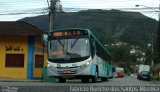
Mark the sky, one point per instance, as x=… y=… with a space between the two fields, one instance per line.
x=12 y=10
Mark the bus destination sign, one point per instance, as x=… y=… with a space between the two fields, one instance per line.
x=67 y=33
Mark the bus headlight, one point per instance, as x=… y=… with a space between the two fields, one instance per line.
x=88 y=62
x=48 y=65
x=51 y=68
x=84 y=66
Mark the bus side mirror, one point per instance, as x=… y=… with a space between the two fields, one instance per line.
x=92 y=48
x=92 y=44
x=44 y=39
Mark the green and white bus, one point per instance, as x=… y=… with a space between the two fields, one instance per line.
x=76 y=53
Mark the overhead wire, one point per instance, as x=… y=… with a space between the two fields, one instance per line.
x=97 y=1
x=45 y=10
x=70 y=9
x=153 y=8
x=154 y=14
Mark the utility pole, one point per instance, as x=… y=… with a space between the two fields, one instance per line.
x=152 y=63
x=152 y=35
x=158 y=39
x=159 y=12
x=152 y=42
x=52 y=10
x=157 y=45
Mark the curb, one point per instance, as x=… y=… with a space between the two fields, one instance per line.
x=21 y=80
x=156 y=82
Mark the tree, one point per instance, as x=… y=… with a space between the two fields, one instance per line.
x=119 y=53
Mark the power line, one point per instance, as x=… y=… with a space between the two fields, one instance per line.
x=154 y=14
x=98 y=1
x=144 y=10
x=44 y=11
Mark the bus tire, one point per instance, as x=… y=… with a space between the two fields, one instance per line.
x=94 y=78
x=138 y=77
x=104 y=79
x=85 y=80
x=61 y=80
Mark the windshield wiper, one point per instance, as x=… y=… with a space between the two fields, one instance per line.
x=60 y=43
x=75 y=41
x=73 y=55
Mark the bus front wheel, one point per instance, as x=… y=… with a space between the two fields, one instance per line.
x=61 y=80
x=85 y=80
x=104 y=79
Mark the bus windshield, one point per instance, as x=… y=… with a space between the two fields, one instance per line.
x=67 y=49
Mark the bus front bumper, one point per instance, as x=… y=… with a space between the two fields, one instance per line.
x=70 y=72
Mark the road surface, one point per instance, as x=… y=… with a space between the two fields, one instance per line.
x=126 y=84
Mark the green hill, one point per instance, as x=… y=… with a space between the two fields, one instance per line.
x=107 y=25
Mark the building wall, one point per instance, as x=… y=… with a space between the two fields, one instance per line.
x=13 y=45
x=41 y=51
x=30 y=47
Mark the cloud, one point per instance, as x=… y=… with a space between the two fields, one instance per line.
x=34 y=7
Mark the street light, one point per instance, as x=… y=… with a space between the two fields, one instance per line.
x=147 y=7
x=151 y=9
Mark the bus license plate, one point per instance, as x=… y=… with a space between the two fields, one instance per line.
x=67 y=71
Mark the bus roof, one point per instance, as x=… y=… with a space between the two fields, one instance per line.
x=81 y=29
x=70 y=29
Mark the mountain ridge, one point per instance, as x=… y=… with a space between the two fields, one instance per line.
x=107 y=25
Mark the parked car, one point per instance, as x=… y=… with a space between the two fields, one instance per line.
x=144 y=72
x=120 y=74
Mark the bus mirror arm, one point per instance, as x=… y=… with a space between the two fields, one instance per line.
x=44 y=39
x=93 y=45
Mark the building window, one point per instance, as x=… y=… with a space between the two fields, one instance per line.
x=39 y=61
x=14 y=60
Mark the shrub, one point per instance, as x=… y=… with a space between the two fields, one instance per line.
x=157 y=78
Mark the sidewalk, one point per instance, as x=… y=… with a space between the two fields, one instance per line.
x=17 y=80
x=157 y=82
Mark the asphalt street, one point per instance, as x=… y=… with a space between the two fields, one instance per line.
x=126 y=84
